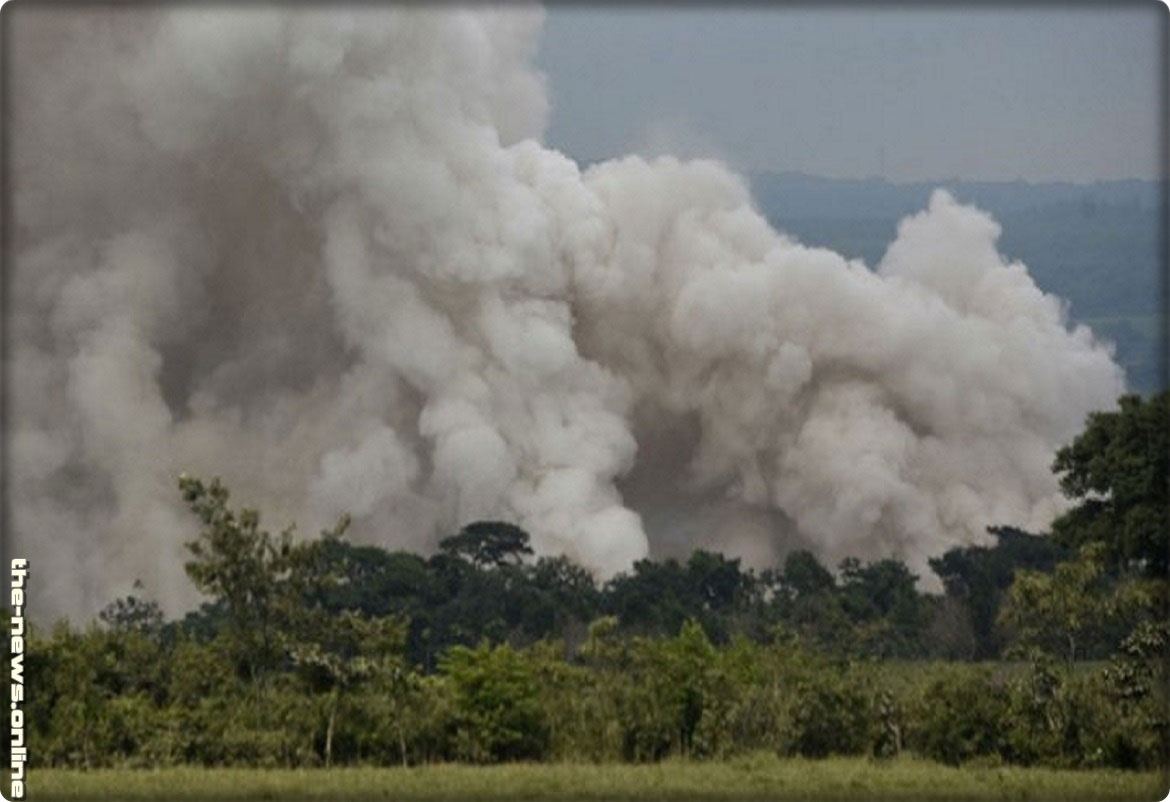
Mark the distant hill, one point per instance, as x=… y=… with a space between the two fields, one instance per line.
x=1099 y=246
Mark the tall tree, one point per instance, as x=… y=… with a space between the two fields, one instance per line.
x=805 y=576
x=889 y=615
x=719 y=582
x=338 y=653
x=250 y=572
x=1118 y=472
x=977 y=577
x=499 y=715
x=1058 y=612
x=489 y=544
x=652 y=599
x=241 y=565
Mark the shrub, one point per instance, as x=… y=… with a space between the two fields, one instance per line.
x=499 y=716
x=960 y=715
x=831 y=716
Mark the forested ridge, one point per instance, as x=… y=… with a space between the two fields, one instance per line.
x=1042 y=649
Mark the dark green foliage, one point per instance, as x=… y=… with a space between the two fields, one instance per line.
x=959 y=716
x=1137 y=686
x=1118 y=470
x=488 y=544
x=651 y=599
x=805 y=576
x=656 y=598
x=806 y=599
x=93 y=702
x=717 y=581
x=243 y=567
x=480 y=587
x=132 y=614
x=497 y=715
x=677 y=677
x=371 y=579
x=976 y=578
x=1056 y=612
x=560 y=599
x=831 y=716
x=880 y=598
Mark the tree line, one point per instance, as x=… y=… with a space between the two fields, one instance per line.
x=320 y=651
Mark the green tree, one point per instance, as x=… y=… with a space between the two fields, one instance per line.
x=488 y=544
x=133 y=614
x=376 y=583
x=338 y=653
x=889 y=615
x=1117 y=471
x=500 y=716
x=719 y=582
x=1057 y=612
x=806 y=599
x=1138 y=684
x=805 y=576
x=552 y=598
x=831 y=715
x=261 y=580
x=67 y=702
x=977 y=577
x=241 y=565
x=959 y=715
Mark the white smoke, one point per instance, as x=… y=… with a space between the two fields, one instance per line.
x=325 y=256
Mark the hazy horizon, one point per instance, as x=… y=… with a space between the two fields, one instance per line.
x=910 y=95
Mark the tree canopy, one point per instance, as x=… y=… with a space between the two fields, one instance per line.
x=488 y=544
x=1117 y=472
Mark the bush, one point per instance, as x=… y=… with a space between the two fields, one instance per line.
x=831 y=716
x=499 y=716
x=960 y=715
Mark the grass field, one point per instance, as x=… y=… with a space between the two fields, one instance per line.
x=756 y=777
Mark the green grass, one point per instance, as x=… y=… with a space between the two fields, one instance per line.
x=755 y=777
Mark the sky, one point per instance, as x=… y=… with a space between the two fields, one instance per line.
x=906 y=93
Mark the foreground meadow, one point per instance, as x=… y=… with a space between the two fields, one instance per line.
x=755 y=777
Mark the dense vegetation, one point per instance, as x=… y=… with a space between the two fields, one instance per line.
x=322 y=652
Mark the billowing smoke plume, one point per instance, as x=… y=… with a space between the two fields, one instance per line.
x=325 y=256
